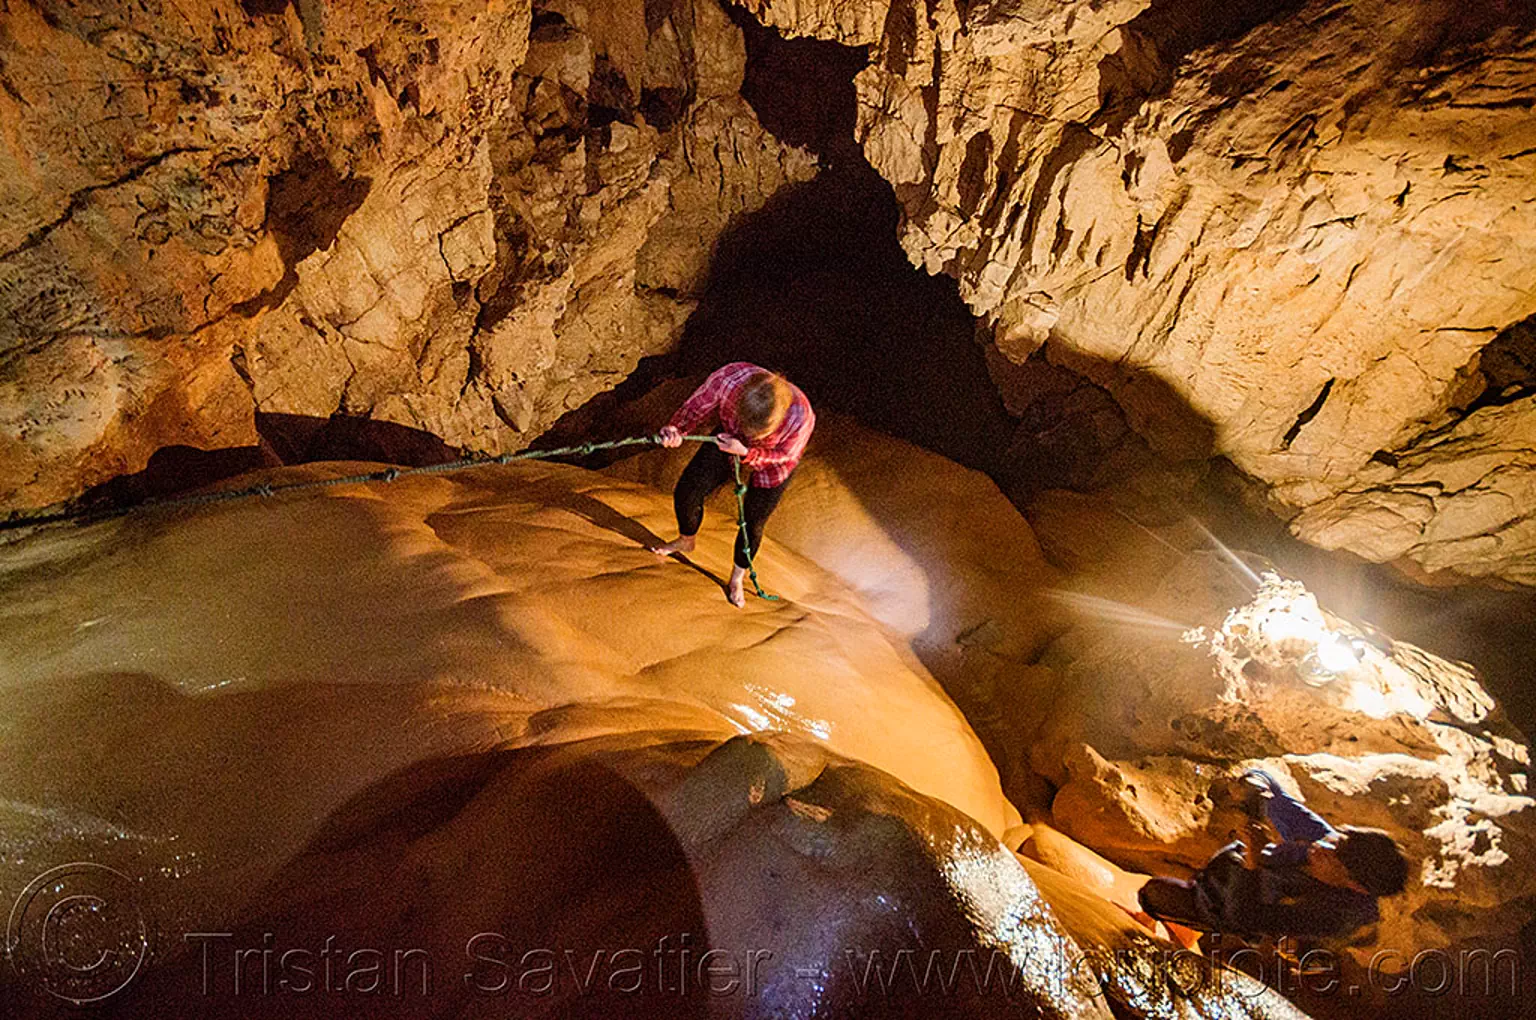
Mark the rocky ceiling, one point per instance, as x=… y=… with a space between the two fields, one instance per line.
x=1298 y=235
x=461 y=217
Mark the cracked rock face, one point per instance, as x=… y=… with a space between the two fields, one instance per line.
x=1461 y=496
x=460 y=218
x=1284 y=232
x=1293 y=234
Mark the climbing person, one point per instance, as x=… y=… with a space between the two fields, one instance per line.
x=1315 y=881
x=763 y=419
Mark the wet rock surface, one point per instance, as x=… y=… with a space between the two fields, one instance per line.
x=1293 y=236
x=476 y=706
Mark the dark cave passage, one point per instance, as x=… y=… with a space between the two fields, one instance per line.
x=814 y=284
x=817 y=286
x=1076 y=638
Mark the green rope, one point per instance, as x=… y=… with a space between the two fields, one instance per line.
x=94 y=515
x=741 y=526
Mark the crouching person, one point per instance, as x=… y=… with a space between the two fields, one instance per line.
x=1316 y=881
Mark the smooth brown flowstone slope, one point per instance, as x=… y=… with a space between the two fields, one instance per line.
x=408 y=716
x=933 y=549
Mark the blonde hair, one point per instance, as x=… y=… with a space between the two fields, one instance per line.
x=761 y=403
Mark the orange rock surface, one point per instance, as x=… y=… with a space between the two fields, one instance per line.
x=409 y=715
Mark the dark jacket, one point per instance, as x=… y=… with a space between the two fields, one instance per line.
x=1279 y=898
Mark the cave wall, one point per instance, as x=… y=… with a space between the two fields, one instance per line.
x=1293 y=234
x=1284 y=233
x=459 y=217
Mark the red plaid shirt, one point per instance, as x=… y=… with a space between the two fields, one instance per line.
x=772 y=457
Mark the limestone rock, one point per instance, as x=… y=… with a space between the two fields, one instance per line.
x=851 y=22
x=784 y=869
x=1461 y=499
x=459 y=218
x=1280 y=233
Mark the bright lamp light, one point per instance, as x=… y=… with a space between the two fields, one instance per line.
x=1336 y=654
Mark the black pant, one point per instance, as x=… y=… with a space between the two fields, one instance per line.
x=709 y=469
x=1172 y=899
x=1224 y=895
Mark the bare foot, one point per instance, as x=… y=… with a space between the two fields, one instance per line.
x=734 y=594
x=680 y=544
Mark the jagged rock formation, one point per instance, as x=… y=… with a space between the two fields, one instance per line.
x=1294 y=237
x=1458 y=496
x=461 y=218
x=1280 y=232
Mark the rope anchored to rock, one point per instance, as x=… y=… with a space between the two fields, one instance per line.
x=91 y=515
